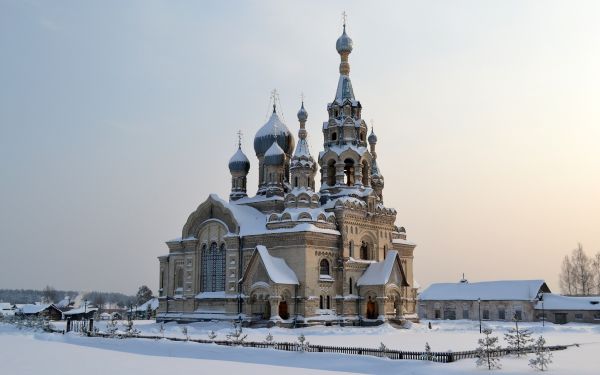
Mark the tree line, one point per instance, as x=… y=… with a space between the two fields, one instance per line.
x=580 y=273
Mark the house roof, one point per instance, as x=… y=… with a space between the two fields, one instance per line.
x=379 y=273
x=81 y=310
x=277 y=269
x=509 y=290
x=557 y=302
x=153 y=303
x=33 y=308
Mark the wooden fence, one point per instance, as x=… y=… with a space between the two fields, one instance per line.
x=442 y=357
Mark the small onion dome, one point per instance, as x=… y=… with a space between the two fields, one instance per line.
x=302 y=114
x=372 y=138
x=239 y=162
x=265 y=136
x=274 y=155
x=344 y=43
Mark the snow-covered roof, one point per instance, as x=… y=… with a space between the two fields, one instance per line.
x=81 y=310
x=344 y=89
x=65 y=302
x=277 y=269
x=153 y=303
x=558 y=302
x=6 y=306
x=403 y=242
x=379 y=273
x=33 y=308
x=504 y=290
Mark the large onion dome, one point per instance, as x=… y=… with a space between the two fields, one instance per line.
x=344 y=43
x=274 y=155
x=273 y=130
x=239 y=162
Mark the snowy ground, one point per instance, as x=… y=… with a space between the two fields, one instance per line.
x=26 y=352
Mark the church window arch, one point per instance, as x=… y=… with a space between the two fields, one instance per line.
x=286 y=216
x=334 y=136
x=349 y=171
x=350 y=289
x=179 y=278
x=321 y=301
x=365 y=173
x=295 y=181
x=328 y=302
x=324 y=267
x=331 y=172
x=351 y=248
x=213 y=268
x=364 y=251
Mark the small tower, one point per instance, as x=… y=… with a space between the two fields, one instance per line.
x=303 y=167
x=376 y=176
x=239 y=165
x=274 y=170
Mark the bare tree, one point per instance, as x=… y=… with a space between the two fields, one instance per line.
x=49 y=294
x=567 y=277
x=596 y=272
x=582 y=266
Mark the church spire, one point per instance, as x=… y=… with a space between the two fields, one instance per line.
x=303 y=166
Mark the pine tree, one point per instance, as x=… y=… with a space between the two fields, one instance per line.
x=184 y=330
x=428 y=356
x=486 y=351
x=302 y=343
x=161 y=329
x=543 y=357
x=111 y=328
x=518 y=339
x=269 y=338
x=382 y=349
x=212 y=335
x=237 y=336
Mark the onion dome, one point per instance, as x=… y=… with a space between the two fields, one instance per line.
x=344 y=43
x=372 y=138
x=274 y=155
x=239 y=162
x=273 y=130
x=302 y=114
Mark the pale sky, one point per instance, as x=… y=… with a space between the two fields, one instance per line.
x=118 y=119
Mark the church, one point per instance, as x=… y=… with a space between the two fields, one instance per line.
x=293 y=255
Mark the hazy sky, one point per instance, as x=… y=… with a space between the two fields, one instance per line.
x=118 y=118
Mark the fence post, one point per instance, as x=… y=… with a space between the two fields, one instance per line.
x=450 y=357
x=68 y=324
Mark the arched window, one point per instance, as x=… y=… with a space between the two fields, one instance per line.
x=365 y=173
x=351 y=248
x=296 y=181
x=213 y=268
x=324 y=267
x=364 y=251
x=321 y=302
x=328 y=302
x=331 y=172
x=350 y=285
x=334 y=136
x=349 y=171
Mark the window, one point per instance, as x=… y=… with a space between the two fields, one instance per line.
x=213 y=268
x=328 y=302
x=450 y=314
x=321 y=302
x=364 y=251
x=350 y=285
x=578 y=316
x=437 y=314
x=334 y=136
x=465 y=314
x=518 y=315
x=597 y=315
x=324 y=267
x=331 y=173
x=501 y=314
x=296 y=181
x=351 y=246
x=349 y=171
x=486 y=314
x=179 y=278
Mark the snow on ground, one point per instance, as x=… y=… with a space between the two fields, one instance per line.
x=73 y=354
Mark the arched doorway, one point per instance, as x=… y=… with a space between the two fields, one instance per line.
x=266 y=310
x=283 y=310
x=349 y=171
x=372 y=312
x=364 y=251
